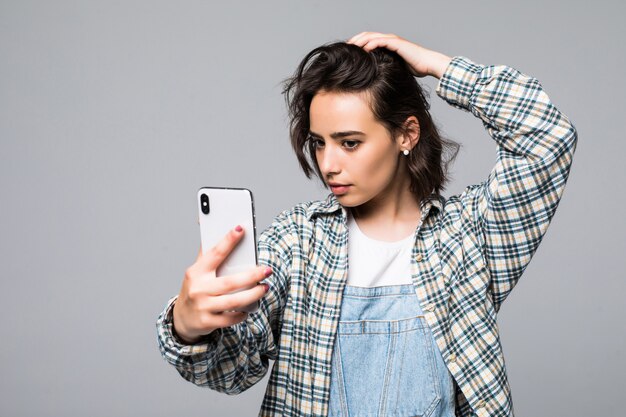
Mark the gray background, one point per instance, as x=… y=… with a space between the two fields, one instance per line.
x=113 y=114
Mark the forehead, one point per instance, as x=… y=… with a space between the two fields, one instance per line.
x=332 y=109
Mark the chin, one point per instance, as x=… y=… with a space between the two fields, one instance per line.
x=347 y=200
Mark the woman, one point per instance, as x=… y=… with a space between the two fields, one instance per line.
x=410 y=328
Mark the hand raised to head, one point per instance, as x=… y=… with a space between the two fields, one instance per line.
x=421 y=60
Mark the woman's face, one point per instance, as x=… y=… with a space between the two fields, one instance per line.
x=353 y=149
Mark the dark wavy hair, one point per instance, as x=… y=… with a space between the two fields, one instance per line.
x=394 y=96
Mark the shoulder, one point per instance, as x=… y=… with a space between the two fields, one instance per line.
x=304 y=213
x=460 y=211
x=293 y=222
x=462 y=201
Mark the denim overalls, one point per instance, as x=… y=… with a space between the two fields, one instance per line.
x=385 y=361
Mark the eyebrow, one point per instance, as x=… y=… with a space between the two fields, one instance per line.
x=338 y=135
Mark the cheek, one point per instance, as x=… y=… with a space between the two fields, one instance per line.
x=377 y=168
x=386 y=163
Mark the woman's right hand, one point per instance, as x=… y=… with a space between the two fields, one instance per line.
x=422 y=61
x=204 y=303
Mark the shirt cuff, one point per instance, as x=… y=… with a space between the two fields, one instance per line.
x=168 y=336
x=456 y=85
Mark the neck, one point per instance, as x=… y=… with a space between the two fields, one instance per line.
x=389 y=208
x=390 y=215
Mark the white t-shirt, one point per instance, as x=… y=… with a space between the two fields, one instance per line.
x=374 y=263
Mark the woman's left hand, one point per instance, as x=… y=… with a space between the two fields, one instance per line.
x=422 y=61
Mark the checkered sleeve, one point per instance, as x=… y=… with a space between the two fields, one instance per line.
x=232 y=359
x=512 y=208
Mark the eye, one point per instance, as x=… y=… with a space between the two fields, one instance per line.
x=316 y=143
x=351 y=144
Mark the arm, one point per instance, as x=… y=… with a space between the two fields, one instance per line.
x=512 y=208
x=234 y=358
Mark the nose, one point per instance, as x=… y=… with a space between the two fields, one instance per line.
x=329 y=161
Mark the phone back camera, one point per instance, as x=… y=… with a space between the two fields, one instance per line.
x=204 y=203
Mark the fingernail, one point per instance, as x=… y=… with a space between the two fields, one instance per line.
x=238 y=228
x=268 y=271
x=267 y=287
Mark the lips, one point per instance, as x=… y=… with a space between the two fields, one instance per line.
x=338 y=189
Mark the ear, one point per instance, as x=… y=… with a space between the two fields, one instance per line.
x=410 y=139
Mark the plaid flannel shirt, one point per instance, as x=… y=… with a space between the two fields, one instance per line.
x=469 y=252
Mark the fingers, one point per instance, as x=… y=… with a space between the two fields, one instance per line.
x=207 y=286
x=359 y=37
x=226 y=285
x=371 y=40
x=229 y=302
x=229 y=318
x=355 y=37
x=216 y=255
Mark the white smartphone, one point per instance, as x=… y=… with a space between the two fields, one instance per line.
x=220 y=209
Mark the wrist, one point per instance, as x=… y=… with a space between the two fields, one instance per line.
x=441 y=62
x=184 y=339
x=180 y=334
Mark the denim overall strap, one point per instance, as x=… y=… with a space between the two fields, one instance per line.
x=385 y=361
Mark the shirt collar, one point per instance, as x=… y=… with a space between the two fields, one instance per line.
x=331 y=205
